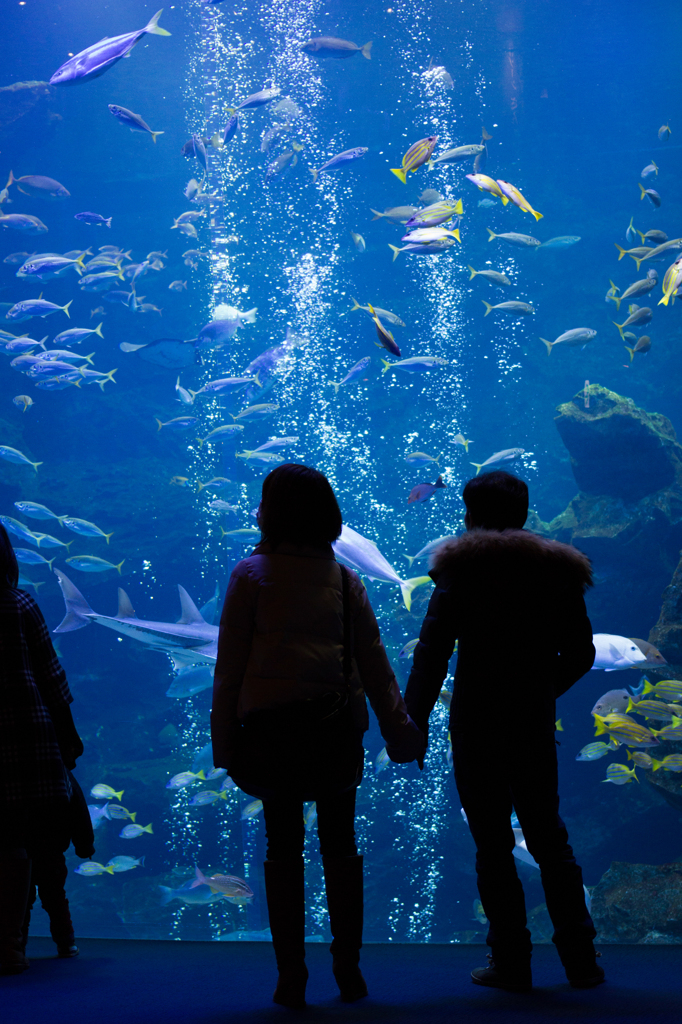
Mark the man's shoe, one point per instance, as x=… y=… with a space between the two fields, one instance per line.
x=516 y=980
x=582 y=970
x=67 y=951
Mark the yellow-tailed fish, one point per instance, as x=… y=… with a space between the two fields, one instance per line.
x=486 y=184
x=671 y=281
x=511 y=192
x=416 y=155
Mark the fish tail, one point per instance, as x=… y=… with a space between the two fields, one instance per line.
x=459 y=207
x=655 y=165
x=632 y=356
x=200 y=441
x=132 y=816
x=620 y=249
x=641 y=234
x=617 y=301
x=147 y=828
x=504 y=199
x=647 y=688
x=654 y=763
x=159 y=422
x=118 y=567
x=600 y=727
x=396 y=251
x=166 y=895
x=491 y=234
x=98 y=330
x=637 y=261
x=387 y=365
x=536 y=214
x=430 y=165
x=88 y=359
x=407 y=586
x=473 y=272
x=642 y=190
x=664 y=300
x=66 y=308
x=335 y=386
x=479 y=467
x=488 y=307
x=35 y=465
x=620 y=328
x=314 y=173
x=108 y=222
x=400 y=174
x=410 y=559
x=365 y=50
x=634 y=775
x=154 y=134
x=153 y=26
x=109 y=377
x=455 y=234
x=356 y=304
x=250 y=317
x=549 y=344
x=108 y=535
x=11 y=180
x=376 y=213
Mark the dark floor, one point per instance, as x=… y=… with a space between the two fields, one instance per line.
x=126 y=982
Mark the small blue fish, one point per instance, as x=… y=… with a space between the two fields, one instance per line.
x=353 y=374
x=340 y=160
x=95 y=219
x=23 y=222
x=422 y=492
x=18 y=529
x=131 y=120
x=31 y=557
x=231 y=129
x=94 y=61
x=133 y=831
x=27 y=308
x=189 y=893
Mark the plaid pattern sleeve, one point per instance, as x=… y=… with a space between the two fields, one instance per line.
x=32 y=682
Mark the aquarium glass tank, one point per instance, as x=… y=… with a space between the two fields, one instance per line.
x=233 y=192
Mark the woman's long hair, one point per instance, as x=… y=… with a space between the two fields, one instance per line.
x=298 y=505
x=9 y=567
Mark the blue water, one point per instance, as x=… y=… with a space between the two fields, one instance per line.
x=573 y=97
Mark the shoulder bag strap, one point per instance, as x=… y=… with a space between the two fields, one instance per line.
x=347 y=656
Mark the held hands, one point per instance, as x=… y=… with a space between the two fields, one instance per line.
x=409 y=744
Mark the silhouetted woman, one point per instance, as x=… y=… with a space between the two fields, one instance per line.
x=38 y=741
x=299 y=648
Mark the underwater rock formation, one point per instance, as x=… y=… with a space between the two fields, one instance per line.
x=639 y=903
x=618 y=449
x=667 y=633
x=17 y=99
x=628 y=514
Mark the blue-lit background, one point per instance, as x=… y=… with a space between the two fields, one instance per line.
x=573 y=97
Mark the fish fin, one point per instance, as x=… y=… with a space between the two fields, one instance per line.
x=154 y=134
x=190 y=612
x=664 y=301
x=98 y=330
x=118 y=567
x=473 y=272
x=430 y=165
x=504 y=199
x=396 y=252
x=549 y=344
x=455 y=234
x=148 y=828
x=250 y=317
x=410 y=559
x=479 y=467
x=632 y=356
x=314 y=173
x=387 y=365
x=356 y=305
x=488 y=307
x=619 y=326
x=78 y=611
x=654 y=764
x=634 y=775
x=159 y=422
x=400 y=174
x=601 y=728
x=376 y=213
x=459 y=207
x=35 y=466
x=491 y=234
x=647 y=688
x=125 y=607
x=637 y=261
x=335 y=386
x=629 y=707
x=618 y=301
x=365 y=50
x=66 y=308
x=88 y=359
x=407 y=586
x=153 y=27
x=641 y=234
x=642 y=190
x=536 y=214
x=620 y=249
x=108 y=222
x=558 y=726
x=108 y=535
x=166 y=895
x=11 y=180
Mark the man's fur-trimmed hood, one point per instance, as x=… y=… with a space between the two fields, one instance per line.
x=472 y=547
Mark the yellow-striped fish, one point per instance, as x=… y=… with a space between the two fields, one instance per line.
x=511 y=192
x=486 y=184
x=671 y=281
x=416 y=155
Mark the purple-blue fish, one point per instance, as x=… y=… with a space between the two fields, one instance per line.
x=196 y=147
x=27 y=308
x=422 y=492
x=340 y=160
x=265 y=365
x=230 y=129
x=94 y=61
x=93 y=218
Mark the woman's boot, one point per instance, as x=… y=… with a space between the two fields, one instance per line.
x=343 y=882
x=284 y=888
x=15 y=881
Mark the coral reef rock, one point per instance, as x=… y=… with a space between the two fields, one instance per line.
x=667 y=633
x=618 y=449
x=639 y=903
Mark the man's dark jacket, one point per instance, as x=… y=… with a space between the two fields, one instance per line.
x=515 y=603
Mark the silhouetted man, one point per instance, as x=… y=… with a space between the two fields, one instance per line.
x=515 y=603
